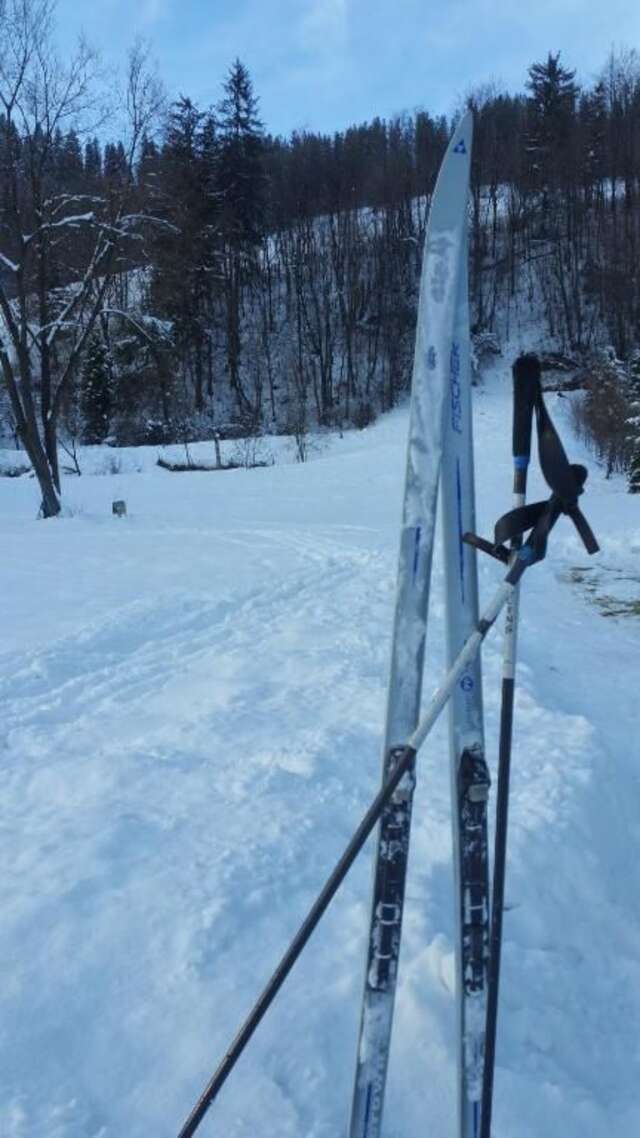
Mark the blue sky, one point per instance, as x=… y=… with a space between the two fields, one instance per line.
x=324 y=64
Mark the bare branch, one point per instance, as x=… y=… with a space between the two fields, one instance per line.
x=10 y=265
x=145 y=99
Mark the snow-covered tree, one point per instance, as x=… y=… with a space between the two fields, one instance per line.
x=59 y=250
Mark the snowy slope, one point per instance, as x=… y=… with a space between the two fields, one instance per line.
x=191 y=704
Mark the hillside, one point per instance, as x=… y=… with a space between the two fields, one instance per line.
x=191 y=702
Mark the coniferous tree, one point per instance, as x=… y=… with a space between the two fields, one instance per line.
x=182 y=282
x=70 y=166
x=115 y=166
x=240 y=166
x=92 y=163
x=553 y=92
x=95 y=392
x=593 y=114
x=552 y=99
x=240 y=184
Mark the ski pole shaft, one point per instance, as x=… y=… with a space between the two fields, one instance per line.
x=499 y=859
x=524 y=394
x=406 y=756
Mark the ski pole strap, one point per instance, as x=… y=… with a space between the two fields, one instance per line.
x=566 y=481
x=540 y=518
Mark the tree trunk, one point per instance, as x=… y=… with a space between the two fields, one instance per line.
x=50 y=490
x=27 y=429
x=51 y=449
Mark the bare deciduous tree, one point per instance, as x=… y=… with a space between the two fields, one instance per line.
x=59 y=250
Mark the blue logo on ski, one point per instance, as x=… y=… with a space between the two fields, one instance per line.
x=460 y=148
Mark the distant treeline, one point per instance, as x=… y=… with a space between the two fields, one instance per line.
x=201 y=275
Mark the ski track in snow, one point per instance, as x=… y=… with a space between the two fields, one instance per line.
x=189 y=731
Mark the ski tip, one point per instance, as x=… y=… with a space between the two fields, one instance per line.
x=461 y=138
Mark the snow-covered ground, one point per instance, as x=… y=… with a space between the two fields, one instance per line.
x=191 y=705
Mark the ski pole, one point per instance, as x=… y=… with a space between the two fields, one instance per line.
x=526 y=378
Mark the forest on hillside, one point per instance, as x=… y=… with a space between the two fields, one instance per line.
x=198 y=277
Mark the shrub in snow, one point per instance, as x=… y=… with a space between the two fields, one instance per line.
x=634 y=468
x=601 y=416
x=251 y=451
x=633 y=423
x=485 y=346
x=363 y=414
x=12 y=471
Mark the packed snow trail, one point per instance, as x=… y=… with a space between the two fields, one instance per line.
x=191 y=705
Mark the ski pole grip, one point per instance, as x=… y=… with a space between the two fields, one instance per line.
x=526 y=386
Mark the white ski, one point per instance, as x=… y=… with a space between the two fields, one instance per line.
x=469 y=772
x=436 y=335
